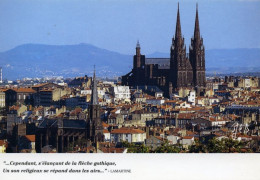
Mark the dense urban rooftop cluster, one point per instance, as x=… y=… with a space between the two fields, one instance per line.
x=50 y=117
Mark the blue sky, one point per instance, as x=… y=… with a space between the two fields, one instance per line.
x=116 y=25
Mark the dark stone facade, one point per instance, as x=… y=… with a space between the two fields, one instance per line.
x=181 y=70
x=18 y=96
x=63 y=133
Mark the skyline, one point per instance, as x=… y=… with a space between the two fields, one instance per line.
x=113 y=26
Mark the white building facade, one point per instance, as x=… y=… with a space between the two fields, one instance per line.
x=127 y=134
x=121 y=93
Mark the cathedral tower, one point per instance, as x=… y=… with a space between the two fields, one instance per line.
x=197 y=55
x=180 y=67
x=139 y=64
x=138 y=55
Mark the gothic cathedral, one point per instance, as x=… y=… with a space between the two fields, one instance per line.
x=181 y=70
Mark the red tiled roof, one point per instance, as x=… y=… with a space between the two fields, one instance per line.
x=28 y=90
x=40 y=85
x=2 y=142
x=4 y=89
x=105 y=131
x=25 y=90
x=187 y=137
x=14 y=108
x=76 y=111
x=244 y=136
x=105 y=124
x=30 y=138
x=171 y=101
x=222 y=91
x=216 y=119
x=190 y=133
x=185 y=115
x=127 y=131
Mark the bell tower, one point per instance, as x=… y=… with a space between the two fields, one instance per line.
x=95 y=123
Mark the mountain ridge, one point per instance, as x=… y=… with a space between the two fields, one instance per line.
x=41 y=60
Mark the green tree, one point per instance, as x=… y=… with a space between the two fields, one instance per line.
x=167 y=148
x=198 y=147
x=232 y=145
x=215 y=146
x=135 y=148
x=226 y=145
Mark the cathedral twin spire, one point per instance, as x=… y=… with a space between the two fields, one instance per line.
x=178 y=34
x=187 y=71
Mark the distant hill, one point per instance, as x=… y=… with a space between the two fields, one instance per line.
x=233 y=60
x=36 y=60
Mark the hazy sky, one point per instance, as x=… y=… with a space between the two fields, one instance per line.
x=116 y=25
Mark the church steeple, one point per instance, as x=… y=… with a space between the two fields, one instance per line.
x=178 y=25
x=95 y=128
x=94 y=95
x=197 y=26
